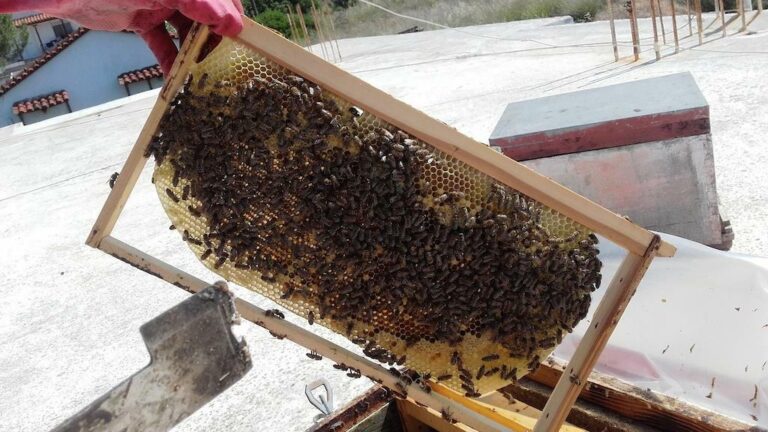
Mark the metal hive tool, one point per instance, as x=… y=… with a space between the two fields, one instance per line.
x=282 y=187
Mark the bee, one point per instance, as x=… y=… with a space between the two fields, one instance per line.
x=446 y=414
x=274 y=313
x=276 y=335
x=311 y=317
x=480 y=372
x=340 y=366
x=113 y=179
x=491 y=371
x=394 y=372
x=354 y=373
x=171 y=195
x=314 y=355
x=220 y=262
x=455 y=359
x=508 y=397
x=402 y=389
x=176 y=176
x=185 y=193
x=355 y=111
x=202 y=81
x=490 y=357
x=444 y=377
x=288 y=293
x=172 y=227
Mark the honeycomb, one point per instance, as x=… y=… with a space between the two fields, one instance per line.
x=286 y=189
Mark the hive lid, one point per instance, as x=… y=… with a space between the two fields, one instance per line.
x=640 y=111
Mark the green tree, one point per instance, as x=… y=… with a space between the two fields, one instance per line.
x=275 y=20
x=12 y=40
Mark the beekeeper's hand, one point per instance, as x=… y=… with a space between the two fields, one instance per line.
x=145 y=17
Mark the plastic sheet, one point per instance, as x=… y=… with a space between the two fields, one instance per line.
x=700 y=315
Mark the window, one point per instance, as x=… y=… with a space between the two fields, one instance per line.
x=62 y=29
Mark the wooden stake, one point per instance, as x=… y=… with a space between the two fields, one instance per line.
x=633 y=29
x=674 y=26
x=607 y=315
x=656 y=47
x=688 y=8
x=613 y=31
x=699 y=21
x=722 y=15
x=448 y=140
x=318 y=32
x=292 y=26
x=743 y=15
x=759 y=6
x=661 y=22
x=334 y=35
x=304 y=27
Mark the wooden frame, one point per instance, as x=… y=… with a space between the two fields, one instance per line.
x=642 y=245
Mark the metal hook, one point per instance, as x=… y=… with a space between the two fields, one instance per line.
x=324 y=403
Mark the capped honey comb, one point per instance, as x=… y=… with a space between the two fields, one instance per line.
x=284 y=188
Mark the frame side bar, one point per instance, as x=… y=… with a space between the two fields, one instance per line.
x=606 y=317
x=300 y=336
x=136 y=160
x=449 y=140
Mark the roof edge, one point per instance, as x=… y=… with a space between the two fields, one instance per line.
x=40 y=62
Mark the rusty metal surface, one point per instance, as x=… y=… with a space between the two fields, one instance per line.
x=194 y=357
x=356 y=411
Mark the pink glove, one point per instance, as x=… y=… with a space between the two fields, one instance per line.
x=145 y=17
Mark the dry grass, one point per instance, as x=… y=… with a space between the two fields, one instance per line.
x=365 y=20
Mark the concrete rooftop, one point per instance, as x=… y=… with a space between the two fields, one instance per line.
x=69 y=327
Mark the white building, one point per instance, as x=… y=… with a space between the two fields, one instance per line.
x=66 y=67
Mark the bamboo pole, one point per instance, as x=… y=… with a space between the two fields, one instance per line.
x=699 y=21
x=674 y=26
x=759 y=6
x=633 y=29
x=743 y=14
x=722 y=15
x=656 y=47
x=292 y=26
x=334 y=35
x=323 y=25
x=661 y=22
x=688 y=9
x=319 y=30
x=305 y=338
x=607 y=315
x=613 y=30
x=304 y=27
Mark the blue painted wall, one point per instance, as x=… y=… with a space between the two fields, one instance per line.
x=87 y=69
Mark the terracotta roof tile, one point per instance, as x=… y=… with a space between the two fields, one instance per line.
x=40 y=102
x=32 y=19
x=37 y=64
x=142 y=74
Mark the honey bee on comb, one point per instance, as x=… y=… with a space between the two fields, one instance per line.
x=358 y=226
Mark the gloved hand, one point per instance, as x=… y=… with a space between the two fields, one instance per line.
x=145 y=17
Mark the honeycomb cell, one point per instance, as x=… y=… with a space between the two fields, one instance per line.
x=400 y=247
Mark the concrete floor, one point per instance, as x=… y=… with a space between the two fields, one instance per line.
x=69 y=326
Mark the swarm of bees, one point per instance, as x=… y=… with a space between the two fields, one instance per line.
x=361 y=228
